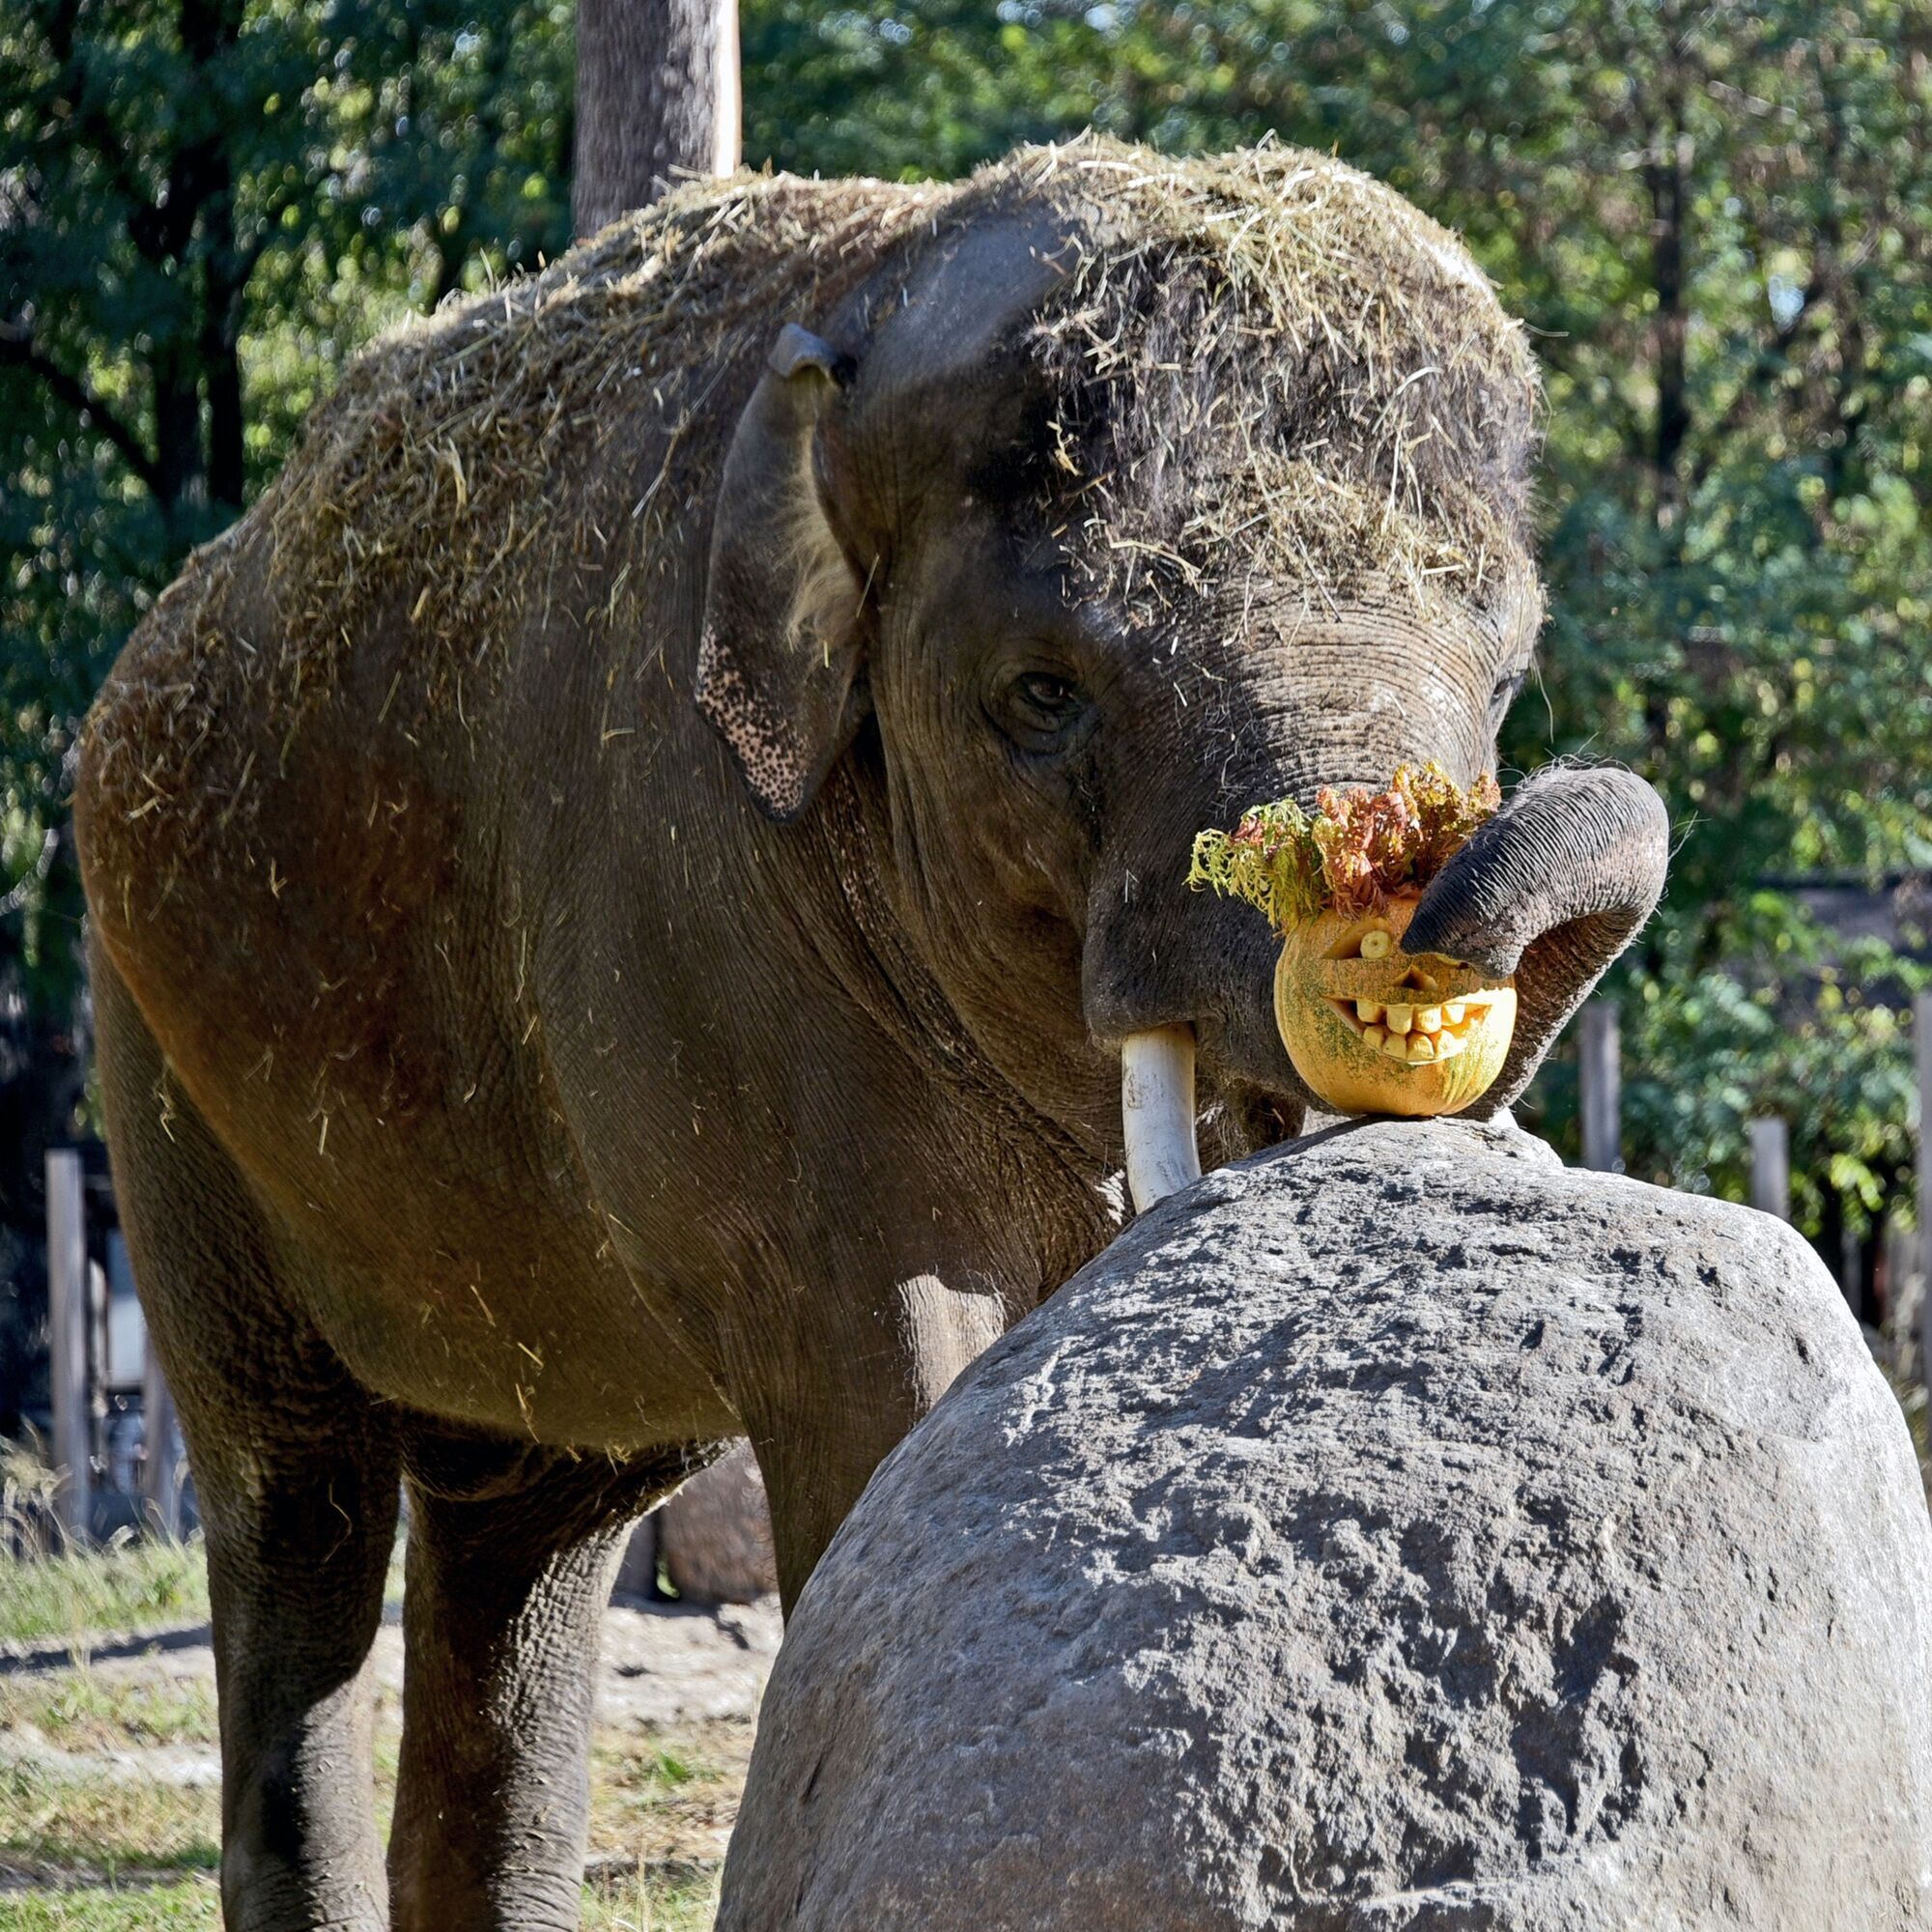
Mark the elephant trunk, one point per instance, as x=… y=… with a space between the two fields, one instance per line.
x=1158 y=1112
x=1550 y=889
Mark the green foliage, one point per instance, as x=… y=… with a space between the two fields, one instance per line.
x=1270 y=859
x=1356 y=849
x=210 y=206
x=1714 y=220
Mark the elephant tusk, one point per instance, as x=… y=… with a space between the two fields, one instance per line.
x=1157 y=1113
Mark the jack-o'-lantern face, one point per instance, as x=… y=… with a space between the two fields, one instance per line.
x=1371 y=1029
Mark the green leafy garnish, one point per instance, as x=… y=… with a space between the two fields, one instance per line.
x=1352 y=854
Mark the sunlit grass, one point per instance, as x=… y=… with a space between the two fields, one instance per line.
x=187 y=1905
x=80 y=1711
x=662 y=1810
x=102 y=1838
x=646 y=1902
x=664 y=1797
x=672 y=1898
x=51 y=1817
x=130 y=1585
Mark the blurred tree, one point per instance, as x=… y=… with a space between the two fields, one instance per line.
x=657 y=97
x=204 y=205
x=1715 y=219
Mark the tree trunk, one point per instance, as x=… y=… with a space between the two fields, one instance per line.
x=656 y=95
x=1666 y=177
x=224 y=282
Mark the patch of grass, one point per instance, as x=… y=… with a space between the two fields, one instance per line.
x=661 y=1807
x=667 y=1797
x=129 y=1584
x=647 y=1902
x=95 y=1824
x=668 y=1897
x=665 y=1801
x=191 y=1905
x=82 y=1711
x=132 y=1584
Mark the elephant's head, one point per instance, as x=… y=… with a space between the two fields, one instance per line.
x=1128 y=494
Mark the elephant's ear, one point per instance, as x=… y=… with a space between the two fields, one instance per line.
x=779 y=651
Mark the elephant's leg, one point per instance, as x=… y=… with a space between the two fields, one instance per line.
x=853 y=1389
x=297 y=1556
x=502 y=1622
x=297 y=1475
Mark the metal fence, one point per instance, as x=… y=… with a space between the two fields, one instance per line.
x=116 y=1446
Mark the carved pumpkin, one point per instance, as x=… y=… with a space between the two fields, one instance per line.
x=1371 y=1029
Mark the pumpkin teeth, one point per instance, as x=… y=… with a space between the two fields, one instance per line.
x=1415 y=1036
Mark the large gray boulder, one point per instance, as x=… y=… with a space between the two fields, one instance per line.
x=715 y=1534
x=1396 y=1530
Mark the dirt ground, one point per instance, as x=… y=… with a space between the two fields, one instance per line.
x=109 y=1774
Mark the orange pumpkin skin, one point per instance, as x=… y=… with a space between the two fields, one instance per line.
x=1322 y=976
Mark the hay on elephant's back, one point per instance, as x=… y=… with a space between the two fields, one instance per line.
x=447 y=472
x=1264 y=362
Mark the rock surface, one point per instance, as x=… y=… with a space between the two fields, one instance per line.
x=715 y=1534
x=1397 y=1530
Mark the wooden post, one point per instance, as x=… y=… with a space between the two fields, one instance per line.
x=67 y=1325
x=1852 y=1267
x=160 y=1471
x=1921 y=1021
x=1897 y=1284
x=1600 y=1086
x=1771 y=1167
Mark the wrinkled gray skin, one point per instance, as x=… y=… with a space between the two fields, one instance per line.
x=1398 y=1532
x=686 y=1034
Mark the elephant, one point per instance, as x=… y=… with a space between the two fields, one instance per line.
x=623 y=890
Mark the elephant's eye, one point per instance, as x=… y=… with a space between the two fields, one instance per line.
x=1040 y=708
x=1507 y=686
x=1045 y=694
